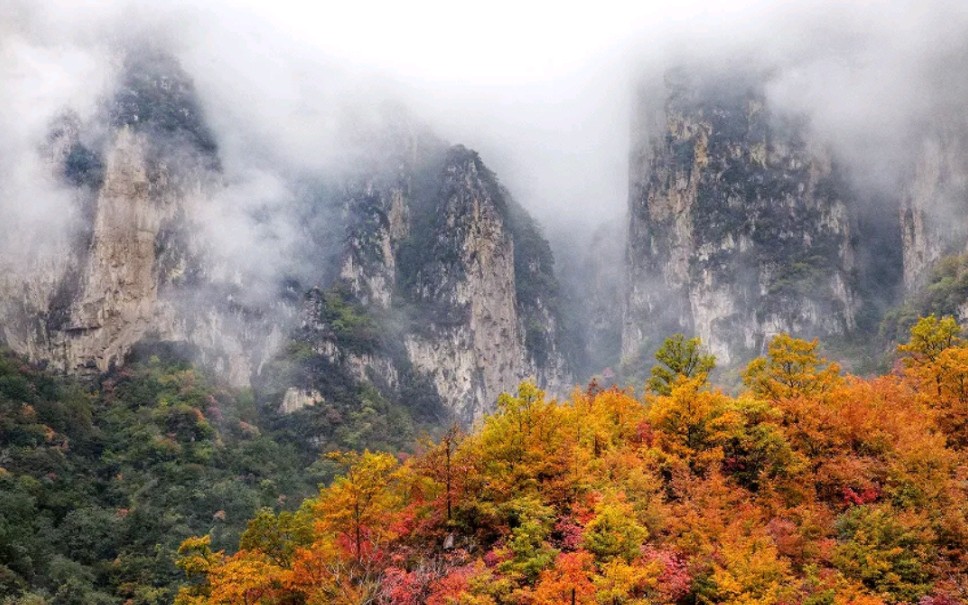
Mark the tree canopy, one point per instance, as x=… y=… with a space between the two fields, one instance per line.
x=809 y=487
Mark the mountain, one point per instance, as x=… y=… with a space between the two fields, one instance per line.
x=222 y=381
x=445 y=290
x=744 y=222
x=412 y=269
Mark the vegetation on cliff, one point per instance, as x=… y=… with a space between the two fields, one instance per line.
x=944 y=292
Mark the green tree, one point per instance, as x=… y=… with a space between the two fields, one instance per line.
x=614 y=532
x=679 y=358
x=528 y=548
x=278 y=536
x=886 y=550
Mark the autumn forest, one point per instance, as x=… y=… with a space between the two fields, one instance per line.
x=807 y=486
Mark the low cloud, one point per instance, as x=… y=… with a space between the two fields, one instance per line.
x=546 y=96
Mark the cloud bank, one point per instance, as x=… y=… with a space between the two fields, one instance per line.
x=544 y=91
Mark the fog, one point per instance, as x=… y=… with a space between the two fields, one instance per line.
x=37 y=81
x=543 y=91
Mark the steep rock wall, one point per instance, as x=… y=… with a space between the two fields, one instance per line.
x=934 y=203
x=456 y=278
x=418 y=275
x=738 y=228
x=130 y=267
x=472 y=344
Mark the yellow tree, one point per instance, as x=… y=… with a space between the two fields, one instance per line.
x=196 y=559
x=360 y=505
x=523 y=448
x=247 y=578
x=692 y=423
x=952 y=405
x=606 y=420
x=750 y=571
x=937 y=361
x=627 y=583
x=791 y=367
x=930 y=336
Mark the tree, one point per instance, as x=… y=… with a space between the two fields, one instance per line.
x=886 y=550
x=614 y=532
x=952 y=405
x=277 y=536
x=791 y=367
x=937 y=359
x=528 y=549
x=246 y=578
x=524 y=447
x=756 y=450
x=196 y=559
x=750 y=570
x=929 y=337
x=359 y=504
x=692 y=423
x=567 y=582
x=438 y=463
x=679 y=358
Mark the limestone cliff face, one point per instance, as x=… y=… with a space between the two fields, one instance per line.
x=474 y=343
x=738 y=229
x=117 y=298
x=419 y=276
x=130 y=270
x=934 y=204
x=455 y=278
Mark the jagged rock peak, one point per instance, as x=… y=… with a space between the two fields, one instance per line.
x=141 y=170
x=156 y=96
x=739 y=226
x=444 y=248
x=417 y=276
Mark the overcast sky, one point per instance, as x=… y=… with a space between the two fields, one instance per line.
x=540 y=88
x=543 y=89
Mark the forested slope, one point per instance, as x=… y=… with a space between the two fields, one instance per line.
x=99 y=486
x=807 y=487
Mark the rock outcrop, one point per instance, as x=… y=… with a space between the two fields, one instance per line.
x=452 y=274
x=739 y=228
x=423 y=274
x=934 y=204
x=131 y=271
x=485 y=328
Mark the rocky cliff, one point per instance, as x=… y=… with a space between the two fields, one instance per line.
x=934 y=203
x=493 y=321
x=425 y=280
x=446 y=288
x=743 y=222
x=738 y=227
x=131 y=269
